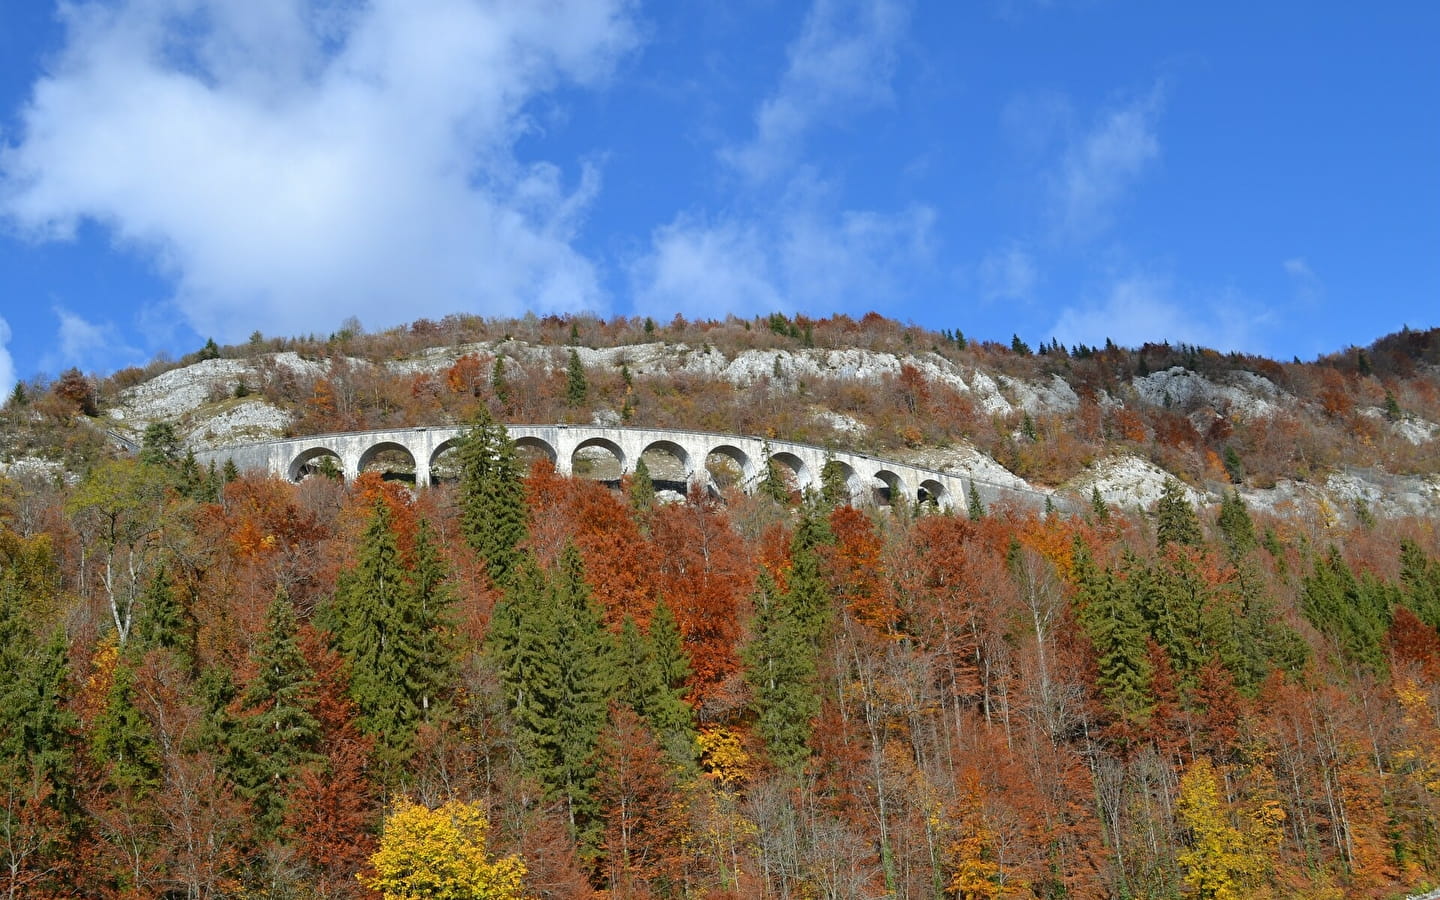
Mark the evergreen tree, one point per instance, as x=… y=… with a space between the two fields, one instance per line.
x=499 y=386
x=642 y=488
x=1110 y=614
x=558 y=666
x=1175 y=519
x=160 y=446
x=1236 y=525
x=780 y=666
x=432 y=601
x=834 y=486
x=1099 y=506
x=1353 y=612
x=162 y=622
x=121 y=739
x=372 y=620
x=276 y=732
x=493 y=515
x=36 y=726
x=975 y=509
x=576 y=387
x=643 y=687
x=1420 y=582
x=772 y=482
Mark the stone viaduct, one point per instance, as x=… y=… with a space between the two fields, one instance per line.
x=673 y=456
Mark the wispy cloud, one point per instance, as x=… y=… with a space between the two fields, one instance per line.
x=1008 y=274
x=88 y=345
x=292 y=162
x=1136 y=308
x=785 y=243
x=1101 y=164
x=806 y=256
x=1309 y=288
x=7 y=365
x=841 y=63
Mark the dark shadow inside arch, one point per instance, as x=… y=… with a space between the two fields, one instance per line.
x=316 y=461
x=669 y=466
x=394 y=462
x=598 y=459
x=886 y=487
x=931 y=492
x=793 y=470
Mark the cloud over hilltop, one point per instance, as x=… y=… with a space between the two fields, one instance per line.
x=291 y=162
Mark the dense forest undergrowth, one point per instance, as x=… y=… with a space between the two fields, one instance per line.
x=528 y=685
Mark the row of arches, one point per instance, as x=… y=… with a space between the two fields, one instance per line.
x=670 y=465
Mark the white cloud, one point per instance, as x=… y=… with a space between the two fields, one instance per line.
x=784 y=243
x=1308 y=286
x=1008 y=274
x=290 y=162
x=804 y=256
x=842 y=62
x=1103 y=163
x=7 y=365
x=1139 y=308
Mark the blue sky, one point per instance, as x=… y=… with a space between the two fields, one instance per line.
x=1260 y=177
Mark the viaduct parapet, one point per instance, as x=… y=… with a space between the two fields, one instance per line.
x=572 y=447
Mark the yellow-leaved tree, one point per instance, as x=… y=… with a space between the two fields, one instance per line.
x=440 y=854
x=1223 y=861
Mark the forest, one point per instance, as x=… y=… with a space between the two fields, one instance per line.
x=522 y=685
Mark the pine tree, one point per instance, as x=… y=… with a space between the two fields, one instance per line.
x=499 y=386
x=1353 y=612
x=780 y=667
x=642 y=488
x=162 y=623
x=276 y=733
x=834 y=486
x=1236 y=525
x=432 y=601
x=576 y=387
x=372 y=620
x=975 y=509
x=493 y=515
x=557 y=663
x=121 y=739
x=772 y=482
x=1099 y=506
x=1110 y=614
x=645 y=687
x=1420 y=581
x=1175 y=519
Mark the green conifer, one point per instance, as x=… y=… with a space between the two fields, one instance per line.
x=780 y=667
x=122 y=742
x=1110 y=614
x=276 y=733
x=493 y=516
x=974 y=508
x=1236 y=526
x=1175 y=519
x=577 y=388
x=642 y=488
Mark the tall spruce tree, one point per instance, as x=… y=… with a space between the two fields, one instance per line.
x=645 y=686
x=1110 y=614
x=276 y=733
x=558 y=666
x=432 y=602
x=1175 y=519
x=162 y=622
x=372 y=619
x=492 y=496
x=781 y=669
x=1353 y=612
x=1236 y=526
x=122 y=743
x=577 y=388
x=1420 y=582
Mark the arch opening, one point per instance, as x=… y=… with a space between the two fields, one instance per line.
x=728 y=466
x=445 y=463
x=886 y=488
x=394 y=462
x=839 y=482
x=792 y=471
x=598 y=459
x=316 y=461
x=669 y=466
x=931 y=492
x=529 y=450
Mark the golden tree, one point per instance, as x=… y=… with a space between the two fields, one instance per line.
x=440 y=854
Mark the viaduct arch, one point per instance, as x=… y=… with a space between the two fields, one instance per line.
x=871 y=480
